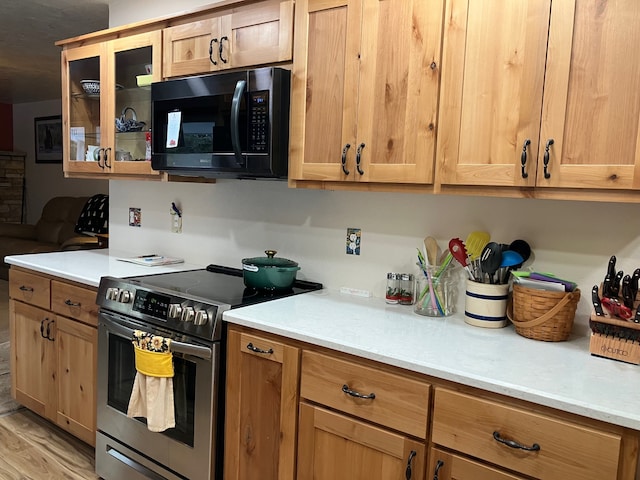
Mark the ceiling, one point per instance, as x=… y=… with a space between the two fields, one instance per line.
x=29 y=58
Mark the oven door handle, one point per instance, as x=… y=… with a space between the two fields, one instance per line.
x=176 y=347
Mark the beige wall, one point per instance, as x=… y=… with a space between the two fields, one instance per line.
x=125 y=11
x=44 y=181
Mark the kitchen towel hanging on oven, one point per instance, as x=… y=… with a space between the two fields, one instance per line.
x=152 y=394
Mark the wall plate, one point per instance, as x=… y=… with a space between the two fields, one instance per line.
x=353 y=241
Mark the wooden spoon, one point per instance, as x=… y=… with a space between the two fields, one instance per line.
x=431 y=247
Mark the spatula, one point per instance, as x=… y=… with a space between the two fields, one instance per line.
x=475 y=242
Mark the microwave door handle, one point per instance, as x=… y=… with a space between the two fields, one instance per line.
x=235 y=117
x=177 y=347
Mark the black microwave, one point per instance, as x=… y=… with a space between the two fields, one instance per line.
x=227 y=125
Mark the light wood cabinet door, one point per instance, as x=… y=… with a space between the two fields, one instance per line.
x=255 y=34
x=335 y=447
x=261 y=408
x=448 y=466
x=591 y=107
x=365 y=88
x=89 y=119
x=76 y=348
x=493 y=68
x=33 y=358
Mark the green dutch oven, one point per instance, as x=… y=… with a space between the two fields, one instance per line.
x=269 y=273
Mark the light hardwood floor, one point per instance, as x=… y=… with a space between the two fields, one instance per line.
x=32 y=448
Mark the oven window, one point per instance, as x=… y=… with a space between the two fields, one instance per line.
x=122 y=372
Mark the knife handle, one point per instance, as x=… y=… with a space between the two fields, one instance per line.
x=597 y=304
x=615 y=285
x=627 y=297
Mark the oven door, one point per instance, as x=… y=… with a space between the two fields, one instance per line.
x=125 y=448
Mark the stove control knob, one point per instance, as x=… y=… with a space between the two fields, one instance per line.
x=175 y=310
x=112 y=293
x=187 y=314
x=201 y=317
x=124 y=296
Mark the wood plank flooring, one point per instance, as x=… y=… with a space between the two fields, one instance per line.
x=32 y=448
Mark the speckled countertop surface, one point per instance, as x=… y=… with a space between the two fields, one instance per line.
x=561 y=375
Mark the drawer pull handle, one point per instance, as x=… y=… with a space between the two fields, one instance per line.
x=408 y=474
x=513 y=444
x=72 y=304
x=353 y=393
x=259 y=350
x=25 y=288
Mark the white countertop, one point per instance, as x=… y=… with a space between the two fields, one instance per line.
x=561 y=375
x=87 y=266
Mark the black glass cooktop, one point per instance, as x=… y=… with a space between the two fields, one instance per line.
x=219 y=284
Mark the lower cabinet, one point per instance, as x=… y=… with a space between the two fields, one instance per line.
x=53 y=355
x=333 y=446
x=299 y=411
x=261 y=408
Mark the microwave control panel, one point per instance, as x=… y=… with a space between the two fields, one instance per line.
x=259 y=122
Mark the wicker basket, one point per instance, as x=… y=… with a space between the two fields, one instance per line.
x=542 y=314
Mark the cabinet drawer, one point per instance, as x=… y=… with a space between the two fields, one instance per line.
x=30 y=288
x=75 y=302
x=566 y=450
x=400 y=402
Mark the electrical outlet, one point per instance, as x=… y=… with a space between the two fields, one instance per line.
x=353 y=241
x=135 y=217
x=176 y=223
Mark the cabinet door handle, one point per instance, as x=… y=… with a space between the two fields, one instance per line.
x=353 y=393
x=359 y=159
x=513 y=444
x=224 y=60
x=100 y=158
x=72 y=304
x=439 y=465
x=42 y=328
x=546 y=157
x=106 y=157
x=49 y=337
x=259 y=350
x=523 y=158
x=344 y=158
x=24 y=288
x=407 y=472
x=211 y=59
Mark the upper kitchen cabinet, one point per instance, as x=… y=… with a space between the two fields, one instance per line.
x=491 y=96
x=540 y=94
x=255 y=34
x=106 y=106
x=365 y=90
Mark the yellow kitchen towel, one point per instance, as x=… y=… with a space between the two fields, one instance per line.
x=152 y=393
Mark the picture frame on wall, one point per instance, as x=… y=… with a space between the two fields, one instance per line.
x=48 y=138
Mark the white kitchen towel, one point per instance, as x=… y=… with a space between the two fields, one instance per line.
x=152 y=393
x=152 y=398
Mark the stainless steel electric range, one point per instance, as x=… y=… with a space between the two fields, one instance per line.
x=186 y=307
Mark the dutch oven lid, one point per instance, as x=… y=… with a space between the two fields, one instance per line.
x=269 y=261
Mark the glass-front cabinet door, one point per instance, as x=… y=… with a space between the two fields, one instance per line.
x=107 y=106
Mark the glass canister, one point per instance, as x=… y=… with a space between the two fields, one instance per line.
x=392 y=294
x=436 y=292
x=407 y=289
